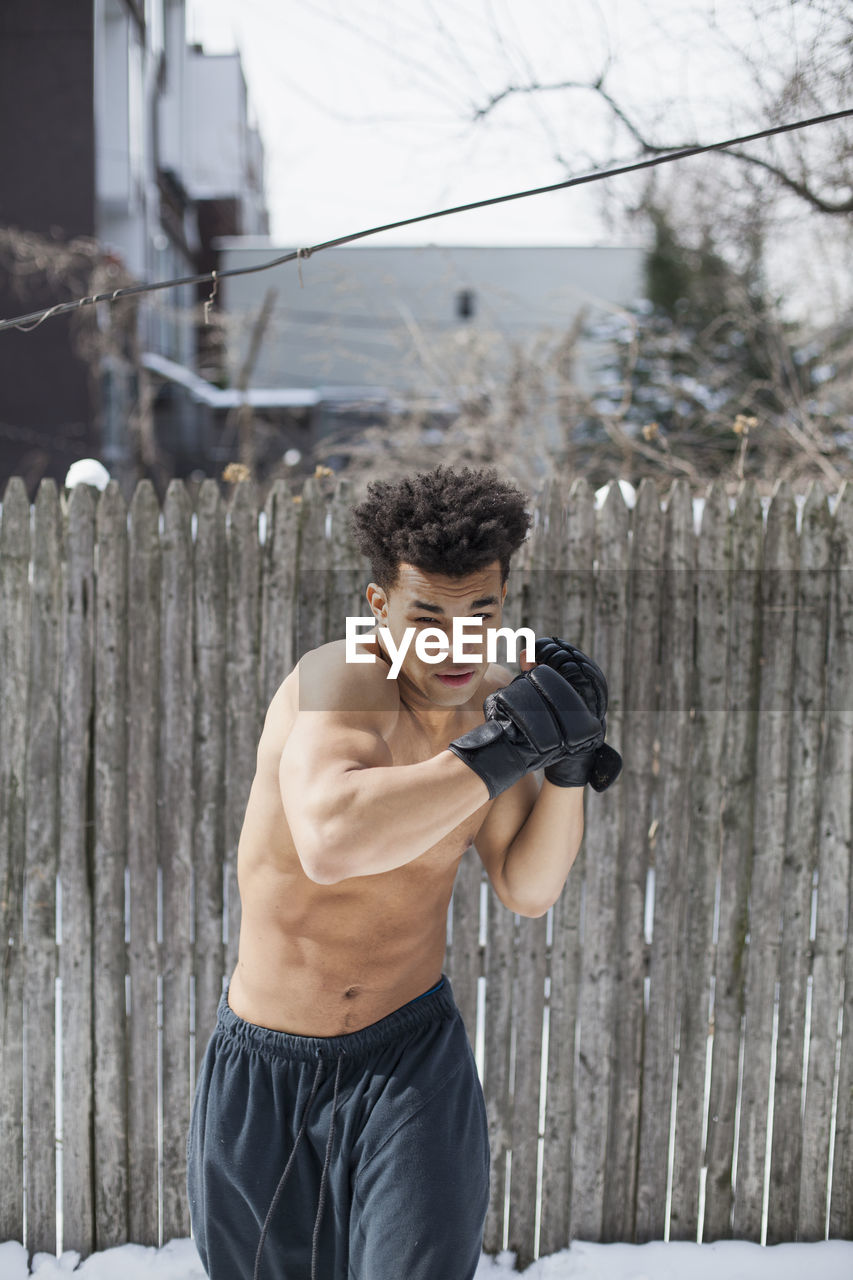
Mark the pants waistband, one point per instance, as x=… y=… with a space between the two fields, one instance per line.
x=430 y=1007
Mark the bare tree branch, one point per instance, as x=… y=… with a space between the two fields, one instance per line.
x=648 y=147
x=801 y=189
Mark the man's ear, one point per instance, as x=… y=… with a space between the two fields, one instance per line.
x=377 y=600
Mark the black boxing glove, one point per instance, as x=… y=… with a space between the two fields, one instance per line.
x=535 y=720
x=582 y=673
x=599 y=767
x=587 y=679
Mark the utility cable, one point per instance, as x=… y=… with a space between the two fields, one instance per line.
x=34 y=318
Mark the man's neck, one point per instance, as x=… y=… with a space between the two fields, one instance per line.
x=438 y=724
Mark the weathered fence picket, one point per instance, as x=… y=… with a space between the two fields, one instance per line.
x=14 y=655
x=778 y=630
x=671 y=851
x=113 y=774
x=211 y=606
x=41 y=869
x=175 y=847
x=77 y=724
x=596 y=1011
x=833 y=947
x=640 y=699
x=726 y=1015
x=143 y=716
x=711 y=638
x=806 y=714
x=704 y=926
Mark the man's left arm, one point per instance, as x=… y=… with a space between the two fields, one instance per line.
x=530 y=837
x=528 y=842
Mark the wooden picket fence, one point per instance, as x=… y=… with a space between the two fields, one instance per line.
x=667 y=1054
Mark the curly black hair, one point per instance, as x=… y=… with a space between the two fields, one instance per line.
x=440 y=521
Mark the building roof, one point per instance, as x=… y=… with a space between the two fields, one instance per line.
x=204 y=392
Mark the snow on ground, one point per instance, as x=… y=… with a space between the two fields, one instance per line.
x=728 y=1259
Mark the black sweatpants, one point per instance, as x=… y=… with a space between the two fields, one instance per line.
x=354 y=1157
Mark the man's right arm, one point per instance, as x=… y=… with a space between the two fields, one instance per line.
x=351 y=812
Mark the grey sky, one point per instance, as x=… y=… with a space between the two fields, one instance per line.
x=367 y=108
x=368 y=114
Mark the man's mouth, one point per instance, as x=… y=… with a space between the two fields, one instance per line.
x=455 y=678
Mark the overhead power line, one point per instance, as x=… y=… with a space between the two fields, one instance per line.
x=33 y=319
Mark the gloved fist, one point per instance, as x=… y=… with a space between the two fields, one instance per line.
x=534 y=721
x=587 y=679
x=582 y=673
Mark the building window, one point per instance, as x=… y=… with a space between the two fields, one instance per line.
x=465 y=304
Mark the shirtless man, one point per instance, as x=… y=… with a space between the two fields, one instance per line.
x=338 y=1126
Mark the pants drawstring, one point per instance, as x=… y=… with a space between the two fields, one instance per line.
x=321 y=1200
x=283 y=1179
x=287 y=1168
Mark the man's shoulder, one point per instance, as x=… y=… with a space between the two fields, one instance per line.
x=323 y=680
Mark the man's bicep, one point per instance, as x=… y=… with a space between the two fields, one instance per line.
x=506 y=817
x=342 y=721
x=321 y=747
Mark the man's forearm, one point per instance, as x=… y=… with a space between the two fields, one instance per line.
x=383 y=817
x=541 y=856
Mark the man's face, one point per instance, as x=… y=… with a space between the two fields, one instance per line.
x=423 y=601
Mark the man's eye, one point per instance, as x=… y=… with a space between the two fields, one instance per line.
x=475 y=615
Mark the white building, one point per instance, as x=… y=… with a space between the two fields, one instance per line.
x=224 y=158
x=178 y=161
x=165 y=109
x=362 y=332
x=128 y=138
